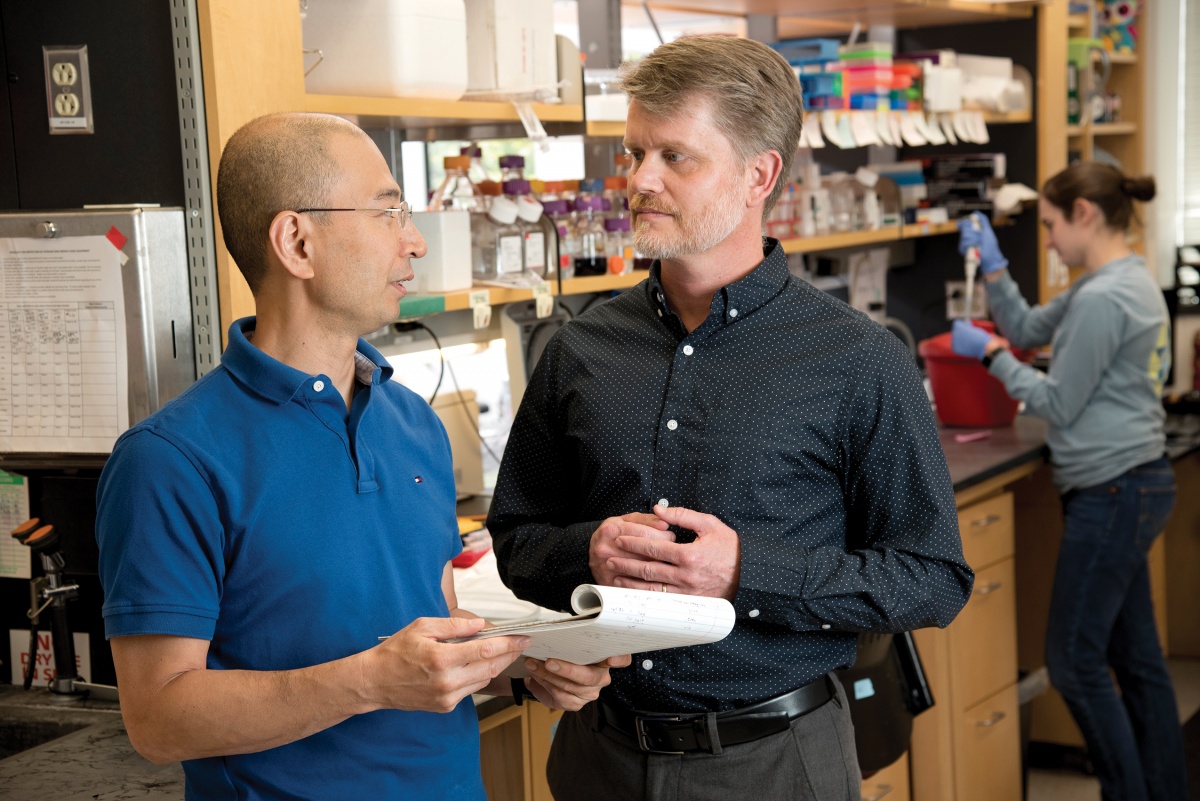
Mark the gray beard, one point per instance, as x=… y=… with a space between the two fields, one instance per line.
x=703 y=233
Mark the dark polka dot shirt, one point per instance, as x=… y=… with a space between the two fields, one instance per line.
x=788 y=415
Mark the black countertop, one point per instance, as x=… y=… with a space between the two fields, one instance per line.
x=1001 y=450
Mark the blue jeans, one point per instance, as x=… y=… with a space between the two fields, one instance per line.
x=1102 y=618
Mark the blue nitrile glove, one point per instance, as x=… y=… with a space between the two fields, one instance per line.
x=969 y=340
x=990 y=257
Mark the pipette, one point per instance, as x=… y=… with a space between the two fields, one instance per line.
x=971 y=266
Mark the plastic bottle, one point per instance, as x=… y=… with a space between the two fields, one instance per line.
x=529 y=217
x=589 y=188
x=496 y=242
x=592 y=256
x=619 y=245
x=551 y=190
x=781 y=222
x=512 y=168
x=615 y=193
x=457 y=191
x=559 y=214
x=475 y=172
x=622 y=164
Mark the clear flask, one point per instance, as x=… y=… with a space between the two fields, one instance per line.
x=457 y=190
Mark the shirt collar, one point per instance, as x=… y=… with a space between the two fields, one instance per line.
x=743 y=296
x=278 y=382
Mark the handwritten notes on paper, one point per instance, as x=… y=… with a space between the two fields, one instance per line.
x=611 y=621
x=63 y=365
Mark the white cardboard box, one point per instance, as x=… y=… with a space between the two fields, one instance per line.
x=383 y=48
x=511 y=45
x=446 y=267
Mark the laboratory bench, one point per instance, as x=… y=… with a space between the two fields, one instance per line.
x=967 y=746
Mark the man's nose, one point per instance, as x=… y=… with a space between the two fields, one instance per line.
x=645 y=178
x=412 y=244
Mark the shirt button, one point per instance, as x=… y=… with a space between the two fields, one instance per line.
x=671 y=424
x=733 y=312
x=688 y=350
x=662 y=502
x=825 y=626
x=753 y=613
x=660 y=312
x=647 y=664
x=660 y=297
x=318 y=385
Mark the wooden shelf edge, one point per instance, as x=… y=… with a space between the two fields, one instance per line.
x=600 y=283
x=1114 y=129
x=808 y=244
x=420 y=108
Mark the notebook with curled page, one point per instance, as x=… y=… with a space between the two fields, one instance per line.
x=610 y=621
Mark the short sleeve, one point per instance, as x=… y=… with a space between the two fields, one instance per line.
x=161 y=541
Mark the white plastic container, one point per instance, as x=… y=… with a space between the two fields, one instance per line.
x=512 y=45
x=387 y=48
x=446 y=267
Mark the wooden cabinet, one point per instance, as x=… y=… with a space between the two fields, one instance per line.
x=514 y=744
x=968 y=747
x=891 y=783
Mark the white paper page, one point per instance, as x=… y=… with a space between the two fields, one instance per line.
x=627 y=622
x=16 y=560
x=64 y=373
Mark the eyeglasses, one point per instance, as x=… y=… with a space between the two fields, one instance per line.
x=402 y=213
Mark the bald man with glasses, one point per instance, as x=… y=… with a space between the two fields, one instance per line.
x=260 y=532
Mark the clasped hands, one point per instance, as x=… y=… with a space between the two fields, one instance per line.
x=638 y=551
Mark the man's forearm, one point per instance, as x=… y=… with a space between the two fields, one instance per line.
x=203 y=713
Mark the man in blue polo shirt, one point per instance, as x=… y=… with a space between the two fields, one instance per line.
x=260 y=532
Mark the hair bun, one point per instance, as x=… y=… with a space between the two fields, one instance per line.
x=1141 y=188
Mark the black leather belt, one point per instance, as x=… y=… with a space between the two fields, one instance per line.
x=664 y=733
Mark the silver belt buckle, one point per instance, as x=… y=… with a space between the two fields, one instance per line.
x=643 y=739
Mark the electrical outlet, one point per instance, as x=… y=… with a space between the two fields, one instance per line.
x=68 y=89
x=956 y=299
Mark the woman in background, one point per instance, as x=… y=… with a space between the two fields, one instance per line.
x=1102 y=398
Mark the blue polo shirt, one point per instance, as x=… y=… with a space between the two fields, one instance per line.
x=256 y=512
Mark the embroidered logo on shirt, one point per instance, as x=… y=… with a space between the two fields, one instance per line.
x=418 y=479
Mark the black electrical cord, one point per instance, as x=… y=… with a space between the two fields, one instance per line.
x=412 y=325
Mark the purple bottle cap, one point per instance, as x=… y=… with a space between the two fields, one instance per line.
x=585 y=203
x=556 y=207
x=512 y=161
x=617 y=224
x=516 y=186
x=605 y=204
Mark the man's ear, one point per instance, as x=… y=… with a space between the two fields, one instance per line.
x=288 y=241
x=762 y=173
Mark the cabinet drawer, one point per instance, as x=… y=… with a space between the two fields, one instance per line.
x=988 y=750
x=983 y=638
x=987 y=530
x=889 y=784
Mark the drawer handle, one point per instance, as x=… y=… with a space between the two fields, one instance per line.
x=884 y=789
x=984 y=522
x=989 y=588
x=992 y=721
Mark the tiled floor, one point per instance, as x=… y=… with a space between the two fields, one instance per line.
x=1055 y=785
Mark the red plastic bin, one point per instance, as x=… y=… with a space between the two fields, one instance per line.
x=965 y=393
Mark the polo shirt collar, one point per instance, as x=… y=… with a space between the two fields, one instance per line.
x=746 y=294
x=278 y=382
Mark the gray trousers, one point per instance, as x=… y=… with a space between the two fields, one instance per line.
x=814 y=760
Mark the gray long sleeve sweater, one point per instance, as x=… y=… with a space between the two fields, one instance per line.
x=1110 y=336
